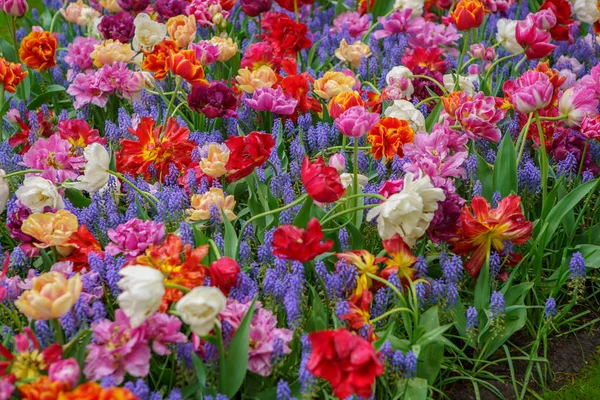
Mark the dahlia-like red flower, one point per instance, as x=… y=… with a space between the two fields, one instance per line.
x=360 y=314
x=293 y=243
x=11 y=75
x=291 y=5
x=85 y=244
x=178 y=263
x=430 y=58
x=298 y=86
x=562 y=11
x=247 y=153
x=224 y=274
x=487 y=229
x=347 y=361
x=79 y=133
x=258 y=55
x=150 y=148
x=322 y=182
x=286 y=36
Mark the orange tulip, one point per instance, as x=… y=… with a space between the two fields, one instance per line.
x=11 y=75
x=184 y=64
x=343 y=101
x=468 y=14
x=158 y=60
x=38 y=50
x=388 y=137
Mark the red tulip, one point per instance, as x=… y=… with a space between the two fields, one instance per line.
x=321 y=182
x=468 y=14
x=293 y=243
x=224 y=273
x=345 y=360
x=247 y=153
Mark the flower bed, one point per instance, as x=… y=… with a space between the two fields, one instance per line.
x=295 y=199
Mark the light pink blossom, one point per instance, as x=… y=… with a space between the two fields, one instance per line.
x=272 y=100
x=53 y=156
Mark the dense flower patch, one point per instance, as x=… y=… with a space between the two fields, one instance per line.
x=293 y=199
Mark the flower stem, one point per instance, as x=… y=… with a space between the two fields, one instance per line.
x=390 y=312
x=442 y=88
x=385 y=282
x=544 y=157
x=355 y=171
x=348 y=211
x=22 y=172
x=461 y=58
x=178 y=81
x=148 y=196
x=178 y=287
x=583 y=154
x=55 y=325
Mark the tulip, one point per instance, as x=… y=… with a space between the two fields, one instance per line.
x=532 y=91
x=576 y=103
x=95 y=175
x=215 y=162
x=142 y=292
x=468 y=14
x=338 y=161
x=51 y=229
x=214 y=198
x=321 y=182
x=200 y=309
x=4 y=191
x=66 y=371
x=15 y=8
x=253 y=8
x=356 y=122
x=38 y=193
x=293 y=243
x=590 y=127
x=534 y=40
x=224 y=273
x=51 y=296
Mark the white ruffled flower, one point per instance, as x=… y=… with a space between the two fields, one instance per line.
x=415 y=5
x=148 y=33
x=142 y=292
x=408 y=212
x=95 y=175
x=200 y=308
x=465 y=83
x=4 y=191
x=586 y=11
x=395 y=78
x=348 y=179
x=507 y=35
x=37 y=193
x=405 y=110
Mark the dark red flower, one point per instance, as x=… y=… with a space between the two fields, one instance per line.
x=562 y=11
x=298 y=86
x=216 y=100
x=85 y=244
x=253 y=8
x=247 y=153
x=286 y=36
x=259 y=54
x=430 y=58
x=117 y=27
x=224 y=273
x=291 y=5
x=293 y=243
x=321 y=181
x=345 y=360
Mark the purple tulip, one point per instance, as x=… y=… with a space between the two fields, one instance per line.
x=272 y=100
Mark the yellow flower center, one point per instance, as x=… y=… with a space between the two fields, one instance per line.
x=28 y=365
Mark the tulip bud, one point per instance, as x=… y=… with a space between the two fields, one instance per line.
x=338 y=162
x=65 y=371
x=468 y=14
x=12 y=115
x=15 y=7
x=473 y=69
x=490 y=54
x=545 y=20
x=253 y=8
x=477 y=51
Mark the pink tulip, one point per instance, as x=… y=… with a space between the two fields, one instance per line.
x=65 y=371
x=15 y=7
x=577 y=102
x=534 y=40
x=356 y=121
x=532 y=91
x=338 y=162
x=590 y=127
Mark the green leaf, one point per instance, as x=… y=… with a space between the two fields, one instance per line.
x=413 y=389
x=318 y=312
x=432 y=353
x=8 y=51
x=235 y=362
x=43 y=97
x=77 y=198
x=505 y=168
x=355 y=236
x=304 y=214
x=591 y=253
x=485 y=176
x=200 y=370
x=383 y=338
x=230 y=237
x=433 y=117
x=381 y=8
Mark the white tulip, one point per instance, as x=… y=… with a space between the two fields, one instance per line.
x=415 y=5
x=348 y=179
x=37 y=193
x=148 y=33
x=586 y=11
x=405 y=110
x=95 y=175
x=4 y=191
x=200 y=308
x=465 y=83
x=142 y=292
x=409 y=212
x=507 y=35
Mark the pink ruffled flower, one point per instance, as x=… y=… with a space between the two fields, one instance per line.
x=391 y=187
x=7 y=387
x=53 y=156
x=397 y=22
x=117 y=349
x=535 y=40
x=356 y=121
x=590 y=127
x=65 y=371
x=206 y=52
x=272 y=100
x=429 y=34
x=78 y=53
x=205 y=11
x=499 y=5
x=133 y=237
x=266 y=340
x=532 y=91
x=576 y=103
x=479 y=117
x=356 y=24
x=163 y=329
x=592 y=81
x=89 y=88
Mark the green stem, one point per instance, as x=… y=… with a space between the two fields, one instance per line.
x=13 y=315
x=213 y=245
x=388 y=313
x=178 y=81
x=348 y=211
x=58 y=333
x=461 y=58
x=296 y=11
x=544 y=157
x=22 y=172
x=355 y=171
x=385 y=282
x=426 y=100
x=148 y=196
x=585 y=147
x=442 y=88
x=498 y=61
x=523 y=138
x=75 y=339
x=178 y=287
